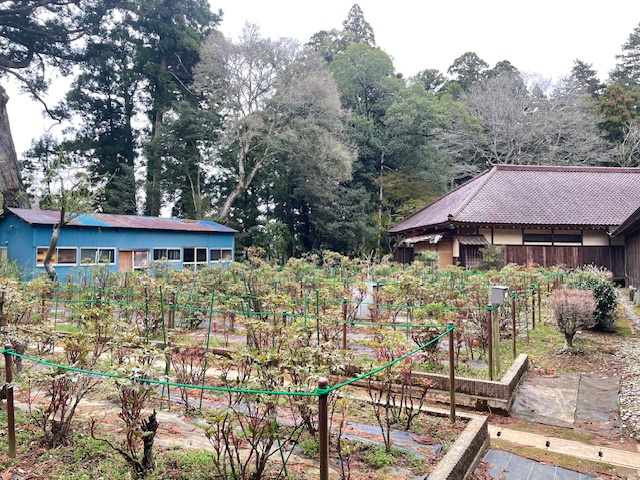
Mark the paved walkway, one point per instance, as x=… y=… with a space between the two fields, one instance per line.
x=612 y=456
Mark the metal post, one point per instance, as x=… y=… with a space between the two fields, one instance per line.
x=533 y=310
x=496 y=339
x=539 y=305
x=490 y=340
x=172 y=310
x=146 y=315
x=344 y=324
x=513 y=324
x=317 y=317
x=11 y=421
x=452 y=375
x=323 y=427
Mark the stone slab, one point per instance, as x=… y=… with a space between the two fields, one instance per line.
x=598 y=409
x=550 y=400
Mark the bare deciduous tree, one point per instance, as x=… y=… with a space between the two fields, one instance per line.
x=70 y=192
x=627 y=153
x=525 y=121
x=271 y=95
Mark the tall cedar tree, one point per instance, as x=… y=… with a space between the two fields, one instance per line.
x=103 y=99
x=170 y=34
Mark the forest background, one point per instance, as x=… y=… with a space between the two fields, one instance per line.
x=301 y=147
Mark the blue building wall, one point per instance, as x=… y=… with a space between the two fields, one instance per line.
x=22 y=240
x=17 y=236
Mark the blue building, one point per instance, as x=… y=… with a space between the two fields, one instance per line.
x=123 y=242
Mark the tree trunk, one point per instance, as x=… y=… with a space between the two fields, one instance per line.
x=53 y=243
x=149 y=428
x=10 y=181
x=154 y=160
x=568 y=341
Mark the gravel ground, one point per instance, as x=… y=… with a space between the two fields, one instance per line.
x=629 y=352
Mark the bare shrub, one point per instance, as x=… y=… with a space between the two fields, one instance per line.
x=189 y=363
x=134 y=396
x=572 y=310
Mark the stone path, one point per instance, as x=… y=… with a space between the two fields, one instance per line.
x=619 y=458
x=629 y=352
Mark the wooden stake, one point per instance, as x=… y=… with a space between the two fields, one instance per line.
x=452 y=375
x=323 y=428
x=11 y=420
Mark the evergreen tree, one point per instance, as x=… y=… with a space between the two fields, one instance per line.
x=627 y=70
x=102 y=104
x=617 y=108
x=36 y=35
x=169 y=36
x=357 y=29
x=468 y=69
x=585 y=78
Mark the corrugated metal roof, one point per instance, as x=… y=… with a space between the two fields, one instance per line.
x=105 y=220
x=537 y=196
x=479 y=240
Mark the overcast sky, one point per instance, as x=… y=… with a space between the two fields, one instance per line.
x=542 y=37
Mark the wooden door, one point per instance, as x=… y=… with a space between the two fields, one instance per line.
x=125 y=261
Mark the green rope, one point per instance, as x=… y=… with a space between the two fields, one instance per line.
x=390 y=364
x=317 y=393
x=159 y=382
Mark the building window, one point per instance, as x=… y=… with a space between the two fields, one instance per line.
x=564 y=237
x=195 y=256
x=220 y=255
x=169 y=254
x=140 y=259
x=3 y=254
x=93 y=256
x=62 y=256
x=537 y=238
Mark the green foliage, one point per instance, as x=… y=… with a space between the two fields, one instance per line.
x=10 y=270
x=492 y=258
x=617 y=109
x=591 y=278
x=309 y=446
x=468 y=69
x=378 y=457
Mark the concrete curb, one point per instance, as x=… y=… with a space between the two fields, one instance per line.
x=480 y=394
x=466 y=452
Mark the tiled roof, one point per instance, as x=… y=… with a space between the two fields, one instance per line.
x=536 y=196
x=104 y=220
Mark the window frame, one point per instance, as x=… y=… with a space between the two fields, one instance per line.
x=195 y=263
x=55 y=256
x=156 y=249
x=222 y=258
x=96 y=260
x=145 y=264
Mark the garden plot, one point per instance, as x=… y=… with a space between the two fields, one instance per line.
x=244 y=348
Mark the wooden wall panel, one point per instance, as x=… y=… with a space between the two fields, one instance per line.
x=632 y=267
x=612 y=258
